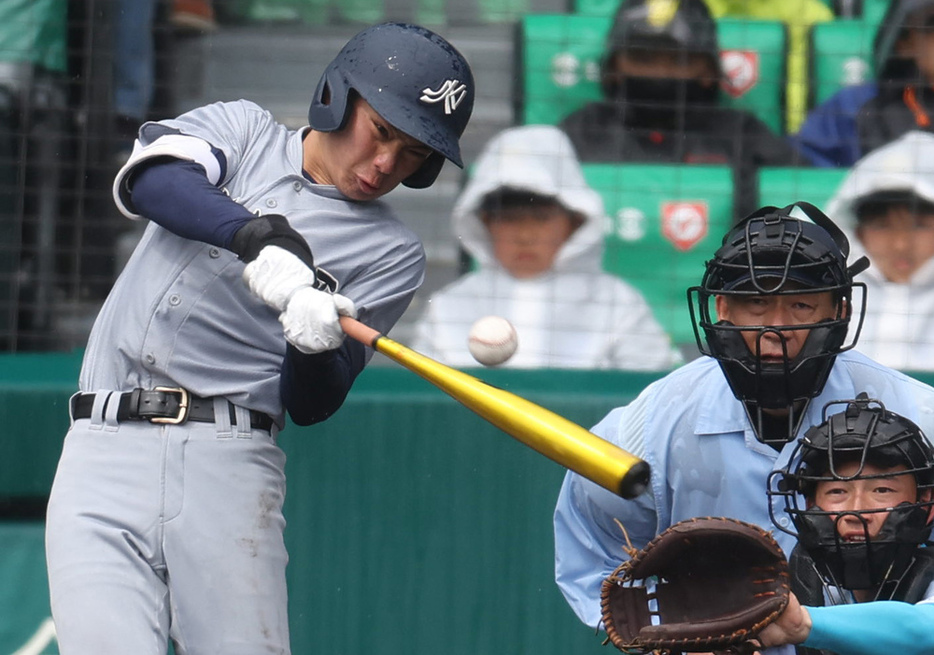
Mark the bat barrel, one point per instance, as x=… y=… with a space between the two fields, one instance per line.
x=552 y=435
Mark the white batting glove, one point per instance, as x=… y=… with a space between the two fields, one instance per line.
x=276 y=275
x=311 y=320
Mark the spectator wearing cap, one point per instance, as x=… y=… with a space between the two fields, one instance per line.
x=887 y=202
x=660 y=78
x=861 y=118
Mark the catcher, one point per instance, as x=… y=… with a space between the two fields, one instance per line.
x=860 y=498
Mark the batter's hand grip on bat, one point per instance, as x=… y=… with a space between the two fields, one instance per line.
x=552 y=435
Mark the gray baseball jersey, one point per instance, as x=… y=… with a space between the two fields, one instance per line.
x=179 y=313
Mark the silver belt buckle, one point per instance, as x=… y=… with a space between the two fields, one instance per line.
x=182 y=407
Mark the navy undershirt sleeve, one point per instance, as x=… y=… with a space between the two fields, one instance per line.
x=192 y=207
x=313 y=387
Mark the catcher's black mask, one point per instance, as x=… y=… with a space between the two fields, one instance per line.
x=771 y=253
x=863 y=433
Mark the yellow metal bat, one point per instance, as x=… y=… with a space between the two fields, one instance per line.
x=552 y=435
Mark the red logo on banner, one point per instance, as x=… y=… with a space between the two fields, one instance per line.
x=685 y=223
x=740 y=71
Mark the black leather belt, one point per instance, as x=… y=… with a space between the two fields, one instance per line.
x=165 y=405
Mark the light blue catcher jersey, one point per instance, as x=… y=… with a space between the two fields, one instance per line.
x=180 y=313
x=705 y=461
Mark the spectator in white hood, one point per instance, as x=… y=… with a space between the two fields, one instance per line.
x=887 y=202
x=534 y=230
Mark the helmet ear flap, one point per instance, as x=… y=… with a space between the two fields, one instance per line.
x=330 y=104
x=427 y=173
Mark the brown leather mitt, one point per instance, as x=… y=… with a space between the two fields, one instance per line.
x=718 y=582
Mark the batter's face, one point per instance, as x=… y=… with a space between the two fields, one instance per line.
x=774 y=311
x=365 y=159
x=841 y=496
x=526 y=241
x=898 y=242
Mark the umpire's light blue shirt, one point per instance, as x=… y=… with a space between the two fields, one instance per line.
x=705 y=461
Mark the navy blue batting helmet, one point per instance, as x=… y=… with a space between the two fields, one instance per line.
x=413 y=78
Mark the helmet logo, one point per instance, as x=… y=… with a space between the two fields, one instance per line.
x=741 y=70
x=452 y=93
x=685 y=223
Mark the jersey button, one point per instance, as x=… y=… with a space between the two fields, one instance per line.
x=150 y=358
x=175 y=300
x=214 y=253
x=297 y=185
x=271 y=203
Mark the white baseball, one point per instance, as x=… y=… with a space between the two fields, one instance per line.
x=492 y=340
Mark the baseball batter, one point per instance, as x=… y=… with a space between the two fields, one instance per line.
x=165 y=519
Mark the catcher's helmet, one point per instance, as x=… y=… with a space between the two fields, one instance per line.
x=863 y=433
x=684 y=25
x=771 y=253
x=413 y=78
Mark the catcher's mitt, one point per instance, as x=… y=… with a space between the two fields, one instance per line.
x=718 y=582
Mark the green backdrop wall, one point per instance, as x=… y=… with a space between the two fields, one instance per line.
x=413 y=525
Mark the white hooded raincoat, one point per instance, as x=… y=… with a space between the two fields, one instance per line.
x=575 y=315
x=899 y=326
